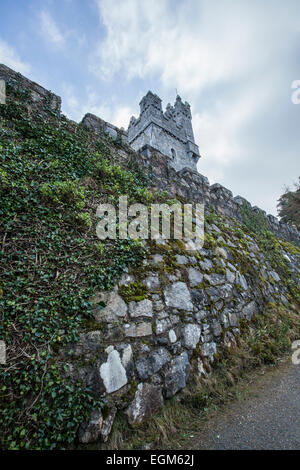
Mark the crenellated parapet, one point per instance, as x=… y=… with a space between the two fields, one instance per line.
x=101 y=127
x=169 y=132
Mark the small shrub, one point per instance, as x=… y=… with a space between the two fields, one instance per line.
x=84 y=219
x=64 y=192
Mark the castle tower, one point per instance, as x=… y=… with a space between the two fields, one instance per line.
x=170 y=133
x=183 y=117
x=151 y=104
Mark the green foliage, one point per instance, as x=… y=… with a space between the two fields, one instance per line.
x=84 y=219
x=118 y=181
x=52 y=416
x=254 y=221
x=271 y=247
x=289 y=206
x=64 y=192
x=211 y=217
x=239 y=233
x=293 y=249
x=51 y=263
x=3 y=180
x=275 y=329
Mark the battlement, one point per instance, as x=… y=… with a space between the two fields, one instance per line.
x=169 y=132
x=150 y=100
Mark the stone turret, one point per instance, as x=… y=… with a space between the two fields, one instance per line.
x=151 y=103
x=171 y=132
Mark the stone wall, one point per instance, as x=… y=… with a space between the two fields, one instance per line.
x=101 y=127
x=143 y=349
x=38 y=94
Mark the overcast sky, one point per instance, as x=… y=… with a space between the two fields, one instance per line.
x=234 y=61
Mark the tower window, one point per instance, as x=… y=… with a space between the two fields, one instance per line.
x=173 y=153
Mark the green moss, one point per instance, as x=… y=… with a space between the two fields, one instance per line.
x=293 y=249
x=246 y=263
x=272 y=250
x=179 y=246
x=130 y=393
x=92 y=325
x=209 y=241
x=135 y=291
x=262 y=279
x=219 y=270
x=170 y=262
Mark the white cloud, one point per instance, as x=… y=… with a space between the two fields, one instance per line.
x=76 y=109
x=192 y=44
x=231 y=60
x=218 y=127
x=121 y=116
x=49 y=29
x=54 y=35
x=9 y=57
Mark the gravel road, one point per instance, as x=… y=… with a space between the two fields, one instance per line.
x=268 y=419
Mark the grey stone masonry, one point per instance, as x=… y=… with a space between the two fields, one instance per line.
x=100 y=127
x=39 y=95
x=169 y=132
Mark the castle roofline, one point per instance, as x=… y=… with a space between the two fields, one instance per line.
x=149 y=94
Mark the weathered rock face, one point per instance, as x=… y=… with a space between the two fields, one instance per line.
x=90 y=432
x=249 y=310
x=38 y=94
x=115 y=307
x=113 y=372
x=190 y=313
x=107 y=425
x=176 y=375
x=195 y=277
x=136 y=330
x=191 y=335
x=153 y=362
x=147 y=401
x=141 y=309
x=97 y=428
x=101 y=127
x=177 y=295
